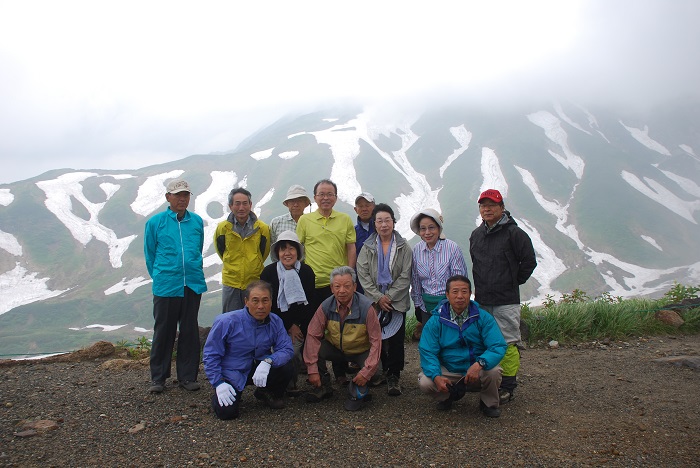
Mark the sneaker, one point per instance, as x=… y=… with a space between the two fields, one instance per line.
x=156 y=387
x=319 y=393
x=489 y=411
x=504 y=396
x=189 y=385
x=444 y=405
x=393 y=387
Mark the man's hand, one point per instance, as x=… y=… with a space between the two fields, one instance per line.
x=442 y=383
x=473 y=373
x=295 y=333
x=384 y=303
x=226 y=394
x=260 y=376
x=360 y=380
x=315 y=380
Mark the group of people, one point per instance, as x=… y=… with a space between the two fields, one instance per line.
x=337 y=291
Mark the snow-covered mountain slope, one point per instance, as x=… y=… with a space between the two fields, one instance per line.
x=610 y=201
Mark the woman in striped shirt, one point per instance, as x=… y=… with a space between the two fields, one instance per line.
x=435 y=259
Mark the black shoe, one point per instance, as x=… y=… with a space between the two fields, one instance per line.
x=377 y=380
x=489 y=411
x=444 y=405
x=393 y=387
x=269 y=399
x=156 y=387
x=189 y=385
x=319 y=393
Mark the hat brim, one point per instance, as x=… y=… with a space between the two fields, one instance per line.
x=392 y=327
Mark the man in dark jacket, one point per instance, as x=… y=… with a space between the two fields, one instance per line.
x=502 y=259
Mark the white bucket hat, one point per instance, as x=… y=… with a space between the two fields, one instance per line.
x=431 y=213
x=393 y=326
x=288 y=236
x=296 y=191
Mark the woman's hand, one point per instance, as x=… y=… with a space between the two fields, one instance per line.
x=295 y=333
x=384 y=303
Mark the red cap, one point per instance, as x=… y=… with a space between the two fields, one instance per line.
x=491 y=194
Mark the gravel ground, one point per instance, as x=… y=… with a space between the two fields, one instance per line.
x=594 y=404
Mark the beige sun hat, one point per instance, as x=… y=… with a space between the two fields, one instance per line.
x=288 y=236
x=431 y=213
x=177 y=186
x=296 y=191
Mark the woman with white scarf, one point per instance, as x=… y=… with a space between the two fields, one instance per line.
x=293 y=283
x=384 y=271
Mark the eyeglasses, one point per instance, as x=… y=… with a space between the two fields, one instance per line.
x=427 y=228
x=383 y=221
x=325 y=195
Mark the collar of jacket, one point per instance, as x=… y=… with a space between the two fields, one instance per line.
x=253 y=320
x=251 y=216
x=372 y=240
x=472 y=314
x=173 y=215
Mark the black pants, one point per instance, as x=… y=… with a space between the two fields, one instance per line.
x=328 y=352
x=277 y=381
x=169 y=313
x=393 y=353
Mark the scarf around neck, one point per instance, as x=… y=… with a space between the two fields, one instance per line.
x=291 y=291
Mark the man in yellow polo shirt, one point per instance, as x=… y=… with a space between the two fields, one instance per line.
x=328 y=237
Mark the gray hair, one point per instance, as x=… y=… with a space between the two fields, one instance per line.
x=342 y=271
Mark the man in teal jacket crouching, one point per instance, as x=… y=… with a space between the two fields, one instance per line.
x=460 y=349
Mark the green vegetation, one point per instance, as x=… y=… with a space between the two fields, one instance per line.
x=139 y=349
x=577 y=318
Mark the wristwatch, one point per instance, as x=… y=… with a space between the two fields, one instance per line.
x=268 y=360
x=482 y=362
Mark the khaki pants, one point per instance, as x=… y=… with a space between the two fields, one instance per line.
x=490 y=380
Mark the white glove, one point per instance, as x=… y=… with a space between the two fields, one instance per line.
x=226 y=394
x=260 y=376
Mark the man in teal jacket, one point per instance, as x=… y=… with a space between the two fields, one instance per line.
x=460 y=349
x=173 y=243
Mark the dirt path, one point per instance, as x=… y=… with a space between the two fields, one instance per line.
x=586 y=406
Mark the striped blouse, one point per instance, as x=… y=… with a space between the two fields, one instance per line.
x=432 y=267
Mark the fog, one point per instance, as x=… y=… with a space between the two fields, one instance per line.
x=122 y=85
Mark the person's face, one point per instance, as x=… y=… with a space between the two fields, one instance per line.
x=296 y=206
x=240 y=207
x=343 y=288
x=288 y=255
x=325 y=196
x=490 y=211
x=383 y=223
x=458 y=295
x=429 y=230
x=178 y=201
x=363 y=208
x=259 y=303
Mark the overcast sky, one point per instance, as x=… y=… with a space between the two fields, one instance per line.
x=125 y=84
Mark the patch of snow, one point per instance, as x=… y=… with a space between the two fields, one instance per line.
x=151 y=194
x=689 y=150
x=642 y=136
x=463 y=137
x=289 y=137
x=6 y=197
x=19 y=287
x=105 y=328
x=686 y=184
x=288 y=154
x=142 y=330
x=549 y=266
x=492 y=175
x=120 y=176
x=653 y=242
x=127 y=286
x=10 y=244
x=59 y=195
x=663 y=196
x=264 y=154
x=330 y=120
x=40 y=356
x=221 y=184
x=554 y=131
x=109 y=189
x=257 y=209
x=562 y=115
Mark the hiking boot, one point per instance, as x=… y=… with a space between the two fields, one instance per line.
x=377 y=380
x=156 y=387
x=393 y=387
x=189 y=385
x=444 y=405
x=489 y=411
x=266 y=397
x=319 y=393
x=504 y=396
x=292 y=389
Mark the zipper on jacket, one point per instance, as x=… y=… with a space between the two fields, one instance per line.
x=182 y=250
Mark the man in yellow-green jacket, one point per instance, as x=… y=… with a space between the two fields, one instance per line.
x=243 y=243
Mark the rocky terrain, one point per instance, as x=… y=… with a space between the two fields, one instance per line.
x=606 y=403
